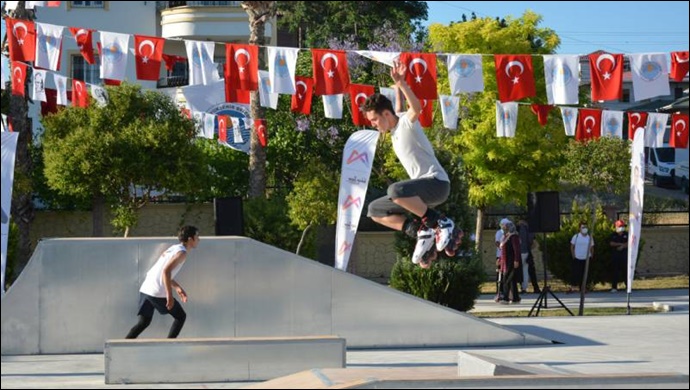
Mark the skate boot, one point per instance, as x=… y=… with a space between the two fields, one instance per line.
x=425 y=241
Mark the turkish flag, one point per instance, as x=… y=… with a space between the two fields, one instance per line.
x=588 y=125
x=358 y=94
x=21 y=35
x=242 y=67
x=542 y=112
x=679 y=65
x=84 y=38
x=679 y=137
x=514 y=77
x=18 y=78
x=331 y=75
x=607 y=76
x=635 y=121
x=80 y=95
x=301 y=100
x=421 y=74
x=148 y=53
x=261 y=131
x=171 y=60
x=223 y=128
x=53 y=4
x=426 y=117
x=50 y=105
x=235 y=96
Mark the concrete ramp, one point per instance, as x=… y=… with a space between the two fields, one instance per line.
x=76 y=293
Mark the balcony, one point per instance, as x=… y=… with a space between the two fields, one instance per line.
x=219 y=21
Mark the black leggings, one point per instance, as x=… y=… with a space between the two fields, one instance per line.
x=144 y=321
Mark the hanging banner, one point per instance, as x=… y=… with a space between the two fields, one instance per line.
x=9 y=146
x=358 y=158
x=636 y=203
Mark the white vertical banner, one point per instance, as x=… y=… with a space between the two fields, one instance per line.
x=450 y=110
x=48 y=46
x=114 y=55
x=333 y=106
x=649 y=75
x=39 y=83
x=612 y=124
x=465 y=73
x=569 y=115
x=282 y=62
x=562 y=78
x=358 y=158
x=656 y=128
x=9 y=147
x=636 y=203
x=506 y=119
x=266 y=97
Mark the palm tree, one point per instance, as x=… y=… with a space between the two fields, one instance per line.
x=259 y=12
x=22 y=206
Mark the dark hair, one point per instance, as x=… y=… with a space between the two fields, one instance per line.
x=378 y=103
x=583 y=223
x=187 y=232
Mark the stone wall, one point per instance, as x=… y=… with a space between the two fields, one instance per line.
x=373 y=255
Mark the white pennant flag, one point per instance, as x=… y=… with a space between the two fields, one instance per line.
x=450 y=109
x=333 y=106
x=384 y=57
x=114 y=55
x=612 y=124
x=3 y=122
x=282 y=62
x=204 y=97
x=34 y=4
x=100 y=95
x=390 y=94
x=636 y=203
x=569 y=115
x=39 y=88
x=358 y=158
x=202 y=70
x=11 y=5
x=237 y=130
x=209 y=125
x=465 y=73
x=562 y=74
x=649 y=75
x=61 y=87
x=506 y=119
x=655 y=130
x=48 y=46
x=266 y=97
x=198 y=118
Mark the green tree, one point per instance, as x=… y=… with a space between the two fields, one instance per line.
x=119 y=154
x=501 y=169
x=22 y=208
x=602 y=165
x=317 y=187
x=319 y=21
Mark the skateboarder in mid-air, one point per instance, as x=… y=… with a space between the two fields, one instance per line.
x=408 y=204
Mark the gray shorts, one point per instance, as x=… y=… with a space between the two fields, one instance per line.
x=432 y=191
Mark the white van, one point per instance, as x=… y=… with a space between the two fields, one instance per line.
x=660 y=165
x=681 y=175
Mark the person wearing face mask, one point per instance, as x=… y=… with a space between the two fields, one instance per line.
x=619 y=255
x=581 y=248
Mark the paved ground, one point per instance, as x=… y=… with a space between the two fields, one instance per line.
x=652 y=343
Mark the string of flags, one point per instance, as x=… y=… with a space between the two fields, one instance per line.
x=41 y=44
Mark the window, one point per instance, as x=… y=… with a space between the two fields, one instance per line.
x=82 y=70
x=87 y=4
x=626 y=96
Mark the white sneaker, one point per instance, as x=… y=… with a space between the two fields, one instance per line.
x=444 y=231
x=425 y=240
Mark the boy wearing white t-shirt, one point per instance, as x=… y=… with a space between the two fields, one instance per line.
x=156 y=291
x=581 y=249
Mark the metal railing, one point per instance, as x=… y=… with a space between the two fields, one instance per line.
x=161 y=5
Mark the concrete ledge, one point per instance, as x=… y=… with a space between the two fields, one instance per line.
x=472 y=364
x=218 y=359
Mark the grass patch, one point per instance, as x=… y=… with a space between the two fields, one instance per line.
x=596 y=311
x=651 y=283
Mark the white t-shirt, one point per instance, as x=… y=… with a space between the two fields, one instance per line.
x=415 y=151
x=582 y=244
x=499 y=238
x=153 y=284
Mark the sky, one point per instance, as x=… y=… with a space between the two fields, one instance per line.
x=587 y=26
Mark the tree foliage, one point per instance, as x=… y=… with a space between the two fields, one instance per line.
x=603 y=165
x=502 y=169
x=137 y=144
x=322 y=21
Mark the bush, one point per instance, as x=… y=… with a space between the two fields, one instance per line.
x=558 y=244
x=454 y=283
x=267 y=221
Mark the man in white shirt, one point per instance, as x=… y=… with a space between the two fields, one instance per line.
x=156 y=290
x=429 y=185
x=581 y=249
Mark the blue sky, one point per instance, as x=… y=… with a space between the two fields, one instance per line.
x=587 y=26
